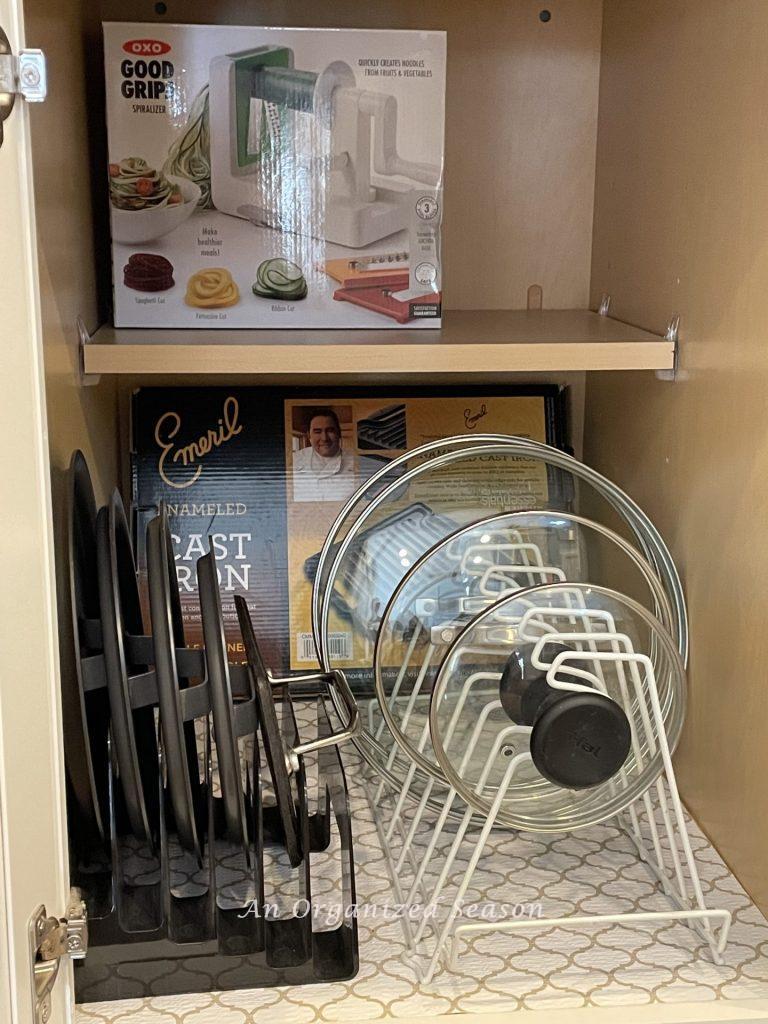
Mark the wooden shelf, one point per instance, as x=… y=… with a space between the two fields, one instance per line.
x=477 y=344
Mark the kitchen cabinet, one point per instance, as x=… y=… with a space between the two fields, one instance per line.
x=593 y=149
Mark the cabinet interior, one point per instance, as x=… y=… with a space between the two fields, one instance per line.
x=612 y=148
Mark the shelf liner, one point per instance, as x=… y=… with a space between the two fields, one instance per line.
x=594 y=870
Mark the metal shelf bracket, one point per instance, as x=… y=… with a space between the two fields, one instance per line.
x=85 y=380
x=672 y=334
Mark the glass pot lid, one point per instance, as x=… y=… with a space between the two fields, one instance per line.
x=443 y=487
x=557 y=707
x=466 y=573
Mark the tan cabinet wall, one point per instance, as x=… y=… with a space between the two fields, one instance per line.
x=681 y=225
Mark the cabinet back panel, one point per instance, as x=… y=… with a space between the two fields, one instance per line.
x=520 y=131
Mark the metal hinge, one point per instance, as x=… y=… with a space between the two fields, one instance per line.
x=50 y=939
x=23 y=76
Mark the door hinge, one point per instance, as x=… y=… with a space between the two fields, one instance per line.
x=50 y=939
x=23 y=75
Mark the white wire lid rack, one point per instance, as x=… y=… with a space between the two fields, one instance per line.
x=654 y=819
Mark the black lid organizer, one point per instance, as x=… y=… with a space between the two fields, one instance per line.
x=85 y=705
x=190 y=792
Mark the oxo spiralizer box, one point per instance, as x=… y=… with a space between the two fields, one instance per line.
x=274 y=177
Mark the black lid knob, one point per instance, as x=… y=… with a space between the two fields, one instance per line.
x=580 y=740
x=523 y=687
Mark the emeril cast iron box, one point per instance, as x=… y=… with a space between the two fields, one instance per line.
x=274 y=177
x=246 y=470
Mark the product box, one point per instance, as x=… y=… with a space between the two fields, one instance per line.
x=254 y=472
x=275 y=177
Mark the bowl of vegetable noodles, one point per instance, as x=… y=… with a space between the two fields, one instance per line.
x=146 y=203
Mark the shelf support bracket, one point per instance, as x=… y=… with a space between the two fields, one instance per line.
x=85 y=380
x=672 y=334
x=535 y=297
x=605 y=305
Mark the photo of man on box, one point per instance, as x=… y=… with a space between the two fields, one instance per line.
x=323 y=470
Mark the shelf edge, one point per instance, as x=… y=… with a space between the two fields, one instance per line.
x=412 y=359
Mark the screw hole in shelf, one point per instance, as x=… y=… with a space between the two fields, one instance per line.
x=161 y=8
x=544 y=15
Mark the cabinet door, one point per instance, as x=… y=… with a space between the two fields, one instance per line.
x=33 y=860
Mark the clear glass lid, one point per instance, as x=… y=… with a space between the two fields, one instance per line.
x=424 y=497
x=557 y=707
x=466 y=573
